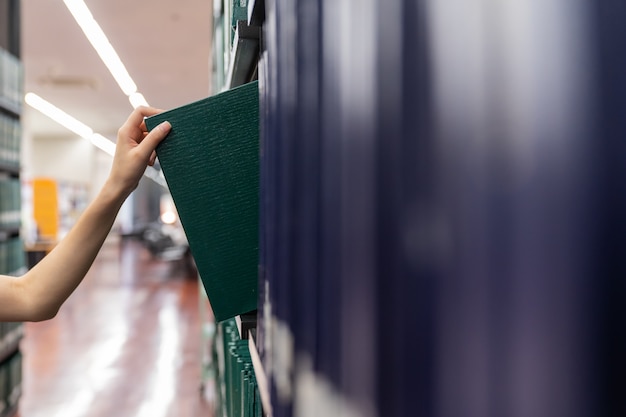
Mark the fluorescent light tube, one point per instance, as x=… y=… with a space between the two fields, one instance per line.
x=58 y=115
x=70 y=123
x=137 y=99
x=98 y=39
x=103 y=143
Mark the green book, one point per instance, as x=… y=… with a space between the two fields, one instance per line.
x=210 y=160
x=239 y=12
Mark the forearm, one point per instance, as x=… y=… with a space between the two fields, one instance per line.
x=39 y=293
x=56 y=276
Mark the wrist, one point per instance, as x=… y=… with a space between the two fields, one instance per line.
x=115 y=190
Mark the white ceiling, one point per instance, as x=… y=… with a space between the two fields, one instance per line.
x=164 y=44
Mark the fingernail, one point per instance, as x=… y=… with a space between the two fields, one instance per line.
x=165 y=126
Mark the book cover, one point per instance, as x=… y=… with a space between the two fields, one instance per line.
x=210 y=160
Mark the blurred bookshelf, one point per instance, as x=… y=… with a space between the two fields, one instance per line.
x=12 y=256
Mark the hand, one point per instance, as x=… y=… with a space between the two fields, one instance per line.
x=135 y=150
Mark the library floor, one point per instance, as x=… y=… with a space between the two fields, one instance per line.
x=126 y=343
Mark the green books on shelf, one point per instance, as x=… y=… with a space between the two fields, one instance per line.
x=12 y=257
x=10 y=135
x=10 y=203
x=210 y=161
x=11 y=80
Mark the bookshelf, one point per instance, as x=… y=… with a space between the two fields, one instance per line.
x=407 y=243
x=12 y=256
x=227 y=359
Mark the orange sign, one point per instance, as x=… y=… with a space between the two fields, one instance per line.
x=46 y=207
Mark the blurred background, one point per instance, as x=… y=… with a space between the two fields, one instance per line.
x=62 y=67
x=71 y=74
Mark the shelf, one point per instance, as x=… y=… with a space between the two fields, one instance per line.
x=11 y=103
x=245 y=323
x=12 y=344
x=10 y=107
x=244 y=56
x=18 y=273
x=12 y=170
x=8 y=233
x=261 y=378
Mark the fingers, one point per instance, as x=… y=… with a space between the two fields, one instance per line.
x=135 y=122
x=137 y=116
x=152 y=139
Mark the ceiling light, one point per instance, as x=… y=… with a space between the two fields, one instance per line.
x=103 y=143
x=98 y=39
x=137 y=99
x=69 y=122
x=58 y=115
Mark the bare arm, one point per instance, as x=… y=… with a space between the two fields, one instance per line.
x=38 y=294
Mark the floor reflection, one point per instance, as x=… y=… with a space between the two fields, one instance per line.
x=127 y=343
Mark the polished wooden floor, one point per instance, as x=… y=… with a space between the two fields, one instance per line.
x=126 y=344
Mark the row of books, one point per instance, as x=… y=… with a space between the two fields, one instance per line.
x=12 y=257
x=240 y=396
x=10 y=136
x=11 y=79
x=10 y=203
x=10 y=383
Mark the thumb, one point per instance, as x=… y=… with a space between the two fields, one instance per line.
x=156 y=135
